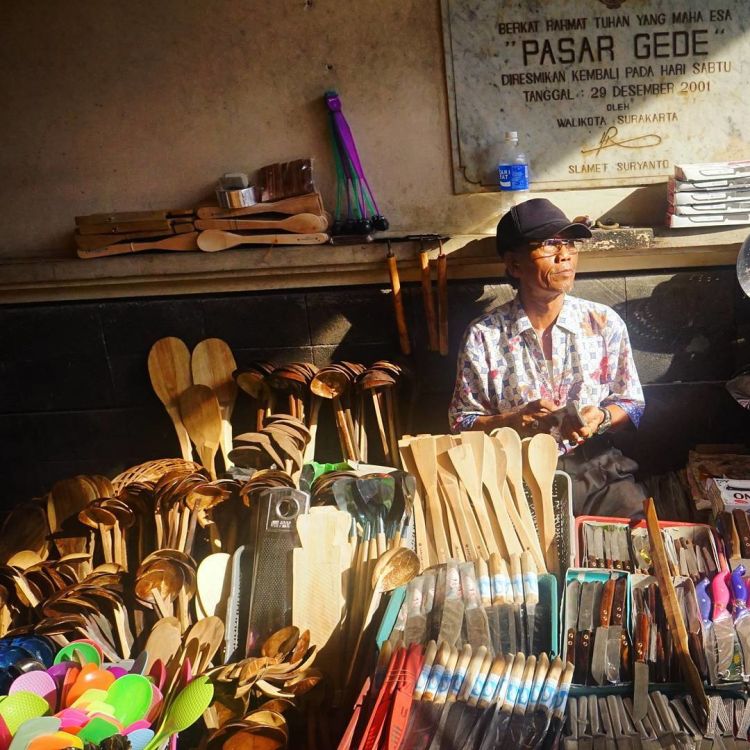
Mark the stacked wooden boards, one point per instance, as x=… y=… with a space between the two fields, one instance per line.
x=470 y=499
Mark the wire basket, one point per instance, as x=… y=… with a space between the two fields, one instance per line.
x=151 y=471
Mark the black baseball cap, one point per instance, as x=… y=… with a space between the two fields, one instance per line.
x=536 y=219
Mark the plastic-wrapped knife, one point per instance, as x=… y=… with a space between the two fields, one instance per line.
x=722 y=624
x=530 y=597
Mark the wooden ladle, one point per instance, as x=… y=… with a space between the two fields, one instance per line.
x=169 y=370
x=200 y=412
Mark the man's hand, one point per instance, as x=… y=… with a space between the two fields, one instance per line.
x=576 y=434
x=531 y=418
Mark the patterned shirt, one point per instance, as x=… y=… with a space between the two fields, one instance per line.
x=501 y=365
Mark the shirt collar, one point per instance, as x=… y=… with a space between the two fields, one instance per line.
x=568 y=319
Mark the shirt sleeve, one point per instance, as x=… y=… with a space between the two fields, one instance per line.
x=625 y=385
x=471 y=397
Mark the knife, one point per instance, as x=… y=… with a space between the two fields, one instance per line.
x=583 y=635
x=743 y=531
x=622 y=741
x=624 y=545
x=598 y=546
x=530 y=596
x=453 y=606
x=599 y=653
x=609 y=561
x=740 y=613
x=475 y=618
x=692 y=560
x=628 y=728
x=572 y=595
x=640 y=680
x=617 y=657
x=586 y=741
x=588 y=535
x=694 y=627
x=599 y=740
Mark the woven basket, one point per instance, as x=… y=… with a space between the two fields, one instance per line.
x=151 y=471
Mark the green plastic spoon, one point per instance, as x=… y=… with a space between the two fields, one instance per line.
x=130 y=696
x=185 y=710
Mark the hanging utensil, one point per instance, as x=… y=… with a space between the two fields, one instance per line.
x=427 y=298
x=442 y=280
x=398 y=303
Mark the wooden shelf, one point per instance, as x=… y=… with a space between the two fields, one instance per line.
x=470 y=257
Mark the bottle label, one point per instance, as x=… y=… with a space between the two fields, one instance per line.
x=513 y=176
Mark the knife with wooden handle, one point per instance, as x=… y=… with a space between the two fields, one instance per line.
x=640 y=682
x=599 y=652
x=618 y=649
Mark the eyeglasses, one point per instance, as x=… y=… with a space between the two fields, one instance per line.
x=551 y=248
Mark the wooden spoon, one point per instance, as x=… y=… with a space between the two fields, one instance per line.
x=213 y=240
x=169 y=370
x=540 y=454
x=302 y=223
x=213 y=365
x=200 y=412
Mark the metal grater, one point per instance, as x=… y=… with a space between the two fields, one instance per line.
x=270 y=607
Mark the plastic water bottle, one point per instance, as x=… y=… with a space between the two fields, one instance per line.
x=513 y=169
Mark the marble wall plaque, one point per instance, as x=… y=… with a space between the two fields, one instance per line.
x=601 y=92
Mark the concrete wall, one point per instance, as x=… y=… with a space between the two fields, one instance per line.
x=111 y=105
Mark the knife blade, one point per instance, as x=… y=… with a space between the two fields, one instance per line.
x=572 y=596
x=692 y=560
x=598 y=550
x=589 y=560
x=617 y=650
x=584 y=633
x=609 y=734
x=586 y=741
x=530 y=596
x=608 y=550
x=622 y=741
x=599 y=652
x=623 y=550
x=640 y=667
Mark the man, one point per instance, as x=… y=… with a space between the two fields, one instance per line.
x=546 y=350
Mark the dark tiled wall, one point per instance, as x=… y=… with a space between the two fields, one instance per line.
x=75 y=395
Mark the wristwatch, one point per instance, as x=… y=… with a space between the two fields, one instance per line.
x=606 y=423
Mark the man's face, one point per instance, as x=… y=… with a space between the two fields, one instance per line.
x=546 y=268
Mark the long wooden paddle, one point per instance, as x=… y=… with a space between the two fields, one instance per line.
x=213 y=240
x=300 y=223
x=309 y=203
x=213 y=365
x=169 y=370
x=200 y=412
x=179 y=242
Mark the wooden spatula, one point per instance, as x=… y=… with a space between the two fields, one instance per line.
x=540 y=463
x=213 y=240
x=180 y=242
x=524 y=528
x=300 y=223
x=169 y=370
x=493 y=479
x=424 y=544
x=212 y=364
x=201 y=415
x=425 y=461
